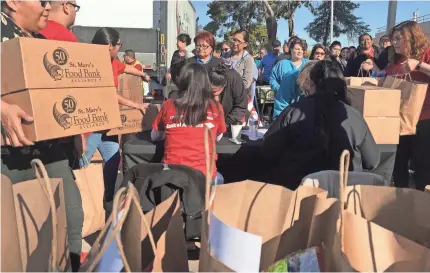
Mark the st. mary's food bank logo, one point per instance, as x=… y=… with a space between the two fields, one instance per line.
x=69 y=115
x=63 y=68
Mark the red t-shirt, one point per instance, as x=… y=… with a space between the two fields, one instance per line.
x=138 y=66
x=185 y=144
x=117 y=69
x=58 y=32
x=417 y=76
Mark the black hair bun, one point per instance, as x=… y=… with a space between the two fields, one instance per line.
x=219 y=69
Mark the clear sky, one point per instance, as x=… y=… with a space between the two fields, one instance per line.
x=373 y=13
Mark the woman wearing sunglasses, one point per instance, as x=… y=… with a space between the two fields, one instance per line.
x=26 y=19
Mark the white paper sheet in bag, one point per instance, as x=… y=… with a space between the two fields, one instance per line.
x=237 y=249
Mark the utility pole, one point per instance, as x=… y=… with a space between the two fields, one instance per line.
x=391 y=18
x=331 y=20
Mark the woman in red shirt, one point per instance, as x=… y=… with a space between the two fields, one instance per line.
x=411 y=55
x=181 y=122
x=108 y=145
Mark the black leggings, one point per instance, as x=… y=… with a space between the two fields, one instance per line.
x=414 y=149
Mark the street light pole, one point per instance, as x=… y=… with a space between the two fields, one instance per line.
x=331 y=20
x=391 y=18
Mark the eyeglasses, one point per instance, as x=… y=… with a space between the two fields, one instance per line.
x=396 y=40
x=234 y=40
x=44 y=3
x=319 y=53
x=203 y=46
x=77 y=7
x=119 y=45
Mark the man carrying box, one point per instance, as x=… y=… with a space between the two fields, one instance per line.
x=25 y=19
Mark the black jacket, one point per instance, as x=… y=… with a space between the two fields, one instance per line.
x=213 y=62
x=234 y=98
x=176 y=64
x=156 y=185
x=292 y=145
x=357 y=58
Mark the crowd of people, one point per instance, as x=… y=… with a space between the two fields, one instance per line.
x=312 y=119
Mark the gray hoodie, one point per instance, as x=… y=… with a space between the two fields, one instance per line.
x=244 y=66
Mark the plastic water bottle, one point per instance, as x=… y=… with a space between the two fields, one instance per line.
x=253 y=126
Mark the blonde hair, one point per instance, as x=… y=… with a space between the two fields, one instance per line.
x=305 y=74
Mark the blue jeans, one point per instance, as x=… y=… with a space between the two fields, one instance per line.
x=219 y=179
x=109 y=149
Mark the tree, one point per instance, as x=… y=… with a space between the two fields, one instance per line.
x=345 y=22
x=229 y=15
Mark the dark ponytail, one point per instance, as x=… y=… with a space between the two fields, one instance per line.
x=330 y=88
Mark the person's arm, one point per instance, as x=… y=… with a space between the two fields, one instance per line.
x=222 y=127
x=158 y=128
x=369 y=151
x=275 y=77
x=240 y=100
x=411 y=65
x=248 y=73
x=131 y=70
x=11 y=118
x=124 y=101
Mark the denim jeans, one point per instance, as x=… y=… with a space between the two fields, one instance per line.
x=15 y=164
x=219 y=179
x=109 y=149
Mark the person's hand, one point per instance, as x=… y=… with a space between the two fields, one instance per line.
x=11 y=118
x=409 y=65
x=168 y=76
x=143 y=107
x=367 y=65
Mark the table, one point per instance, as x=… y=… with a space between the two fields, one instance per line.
x=235 y=162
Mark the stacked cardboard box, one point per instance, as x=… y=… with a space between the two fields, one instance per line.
x=133 y=120
x=67 y=87
x=380 y=108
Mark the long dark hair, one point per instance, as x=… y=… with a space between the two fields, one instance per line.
x=330 y=88
x=106 y=36
x=195 y=95
x=315 y=49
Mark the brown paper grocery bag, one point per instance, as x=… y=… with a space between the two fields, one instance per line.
x=40 y=223
x=380 y=241
x=152 y=242
x=286 y=220
x=412 y=99
x=10 y=251
x=91 y=186
x=427 y=189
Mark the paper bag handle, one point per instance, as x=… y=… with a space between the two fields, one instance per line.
x=343 y=182
x=210 y=163
x=121 y=194
x=130 y=196
x=45 y=182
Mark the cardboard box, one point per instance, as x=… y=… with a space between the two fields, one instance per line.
x=374 y=101
x=65 y=112
x=44 y=64
x=133 y=121
x=130 y=87
x=385 y=130
x=67 y=87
